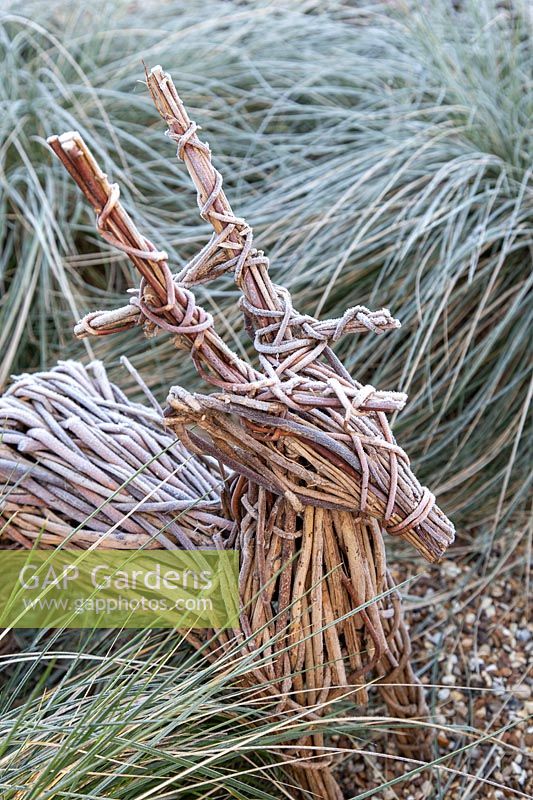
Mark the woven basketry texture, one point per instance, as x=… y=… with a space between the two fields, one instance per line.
x=81 y=463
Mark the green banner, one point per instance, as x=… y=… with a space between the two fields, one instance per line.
x=119 y=588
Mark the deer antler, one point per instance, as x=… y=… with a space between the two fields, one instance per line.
x=233 y=235
x=162 y=300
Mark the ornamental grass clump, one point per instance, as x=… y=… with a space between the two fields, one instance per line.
x=396 y=142
x=117 y=716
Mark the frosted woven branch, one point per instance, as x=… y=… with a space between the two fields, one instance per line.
x=103 y=323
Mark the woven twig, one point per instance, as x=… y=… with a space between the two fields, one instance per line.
x=317 y=474
x=72 y=444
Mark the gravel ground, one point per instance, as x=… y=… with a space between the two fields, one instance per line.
x=472 y=642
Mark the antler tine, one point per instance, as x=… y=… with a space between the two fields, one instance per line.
x=113 y=222
x=102 y=323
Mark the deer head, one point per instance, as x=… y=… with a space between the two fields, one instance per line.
x=299 y=424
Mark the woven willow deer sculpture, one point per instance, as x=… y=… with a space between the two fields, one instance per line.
x=317 y=477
